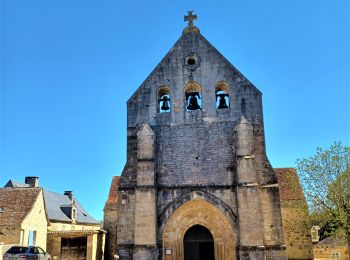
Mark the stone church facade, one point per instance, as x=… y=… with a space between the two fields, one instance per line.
x=197 y=183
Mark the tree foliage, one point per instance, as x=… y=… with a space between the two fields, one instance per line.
x=325 y=178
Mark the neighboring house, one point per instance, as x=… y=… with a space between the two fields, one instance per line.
x=296 y=229
x=331 y=248
x=22 y=217
x=70 y=232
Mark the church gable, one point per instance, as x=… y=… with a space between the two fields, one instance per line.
x=190 y=61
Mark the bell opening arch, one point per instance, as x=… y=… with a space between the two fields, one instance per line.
x=193 y=96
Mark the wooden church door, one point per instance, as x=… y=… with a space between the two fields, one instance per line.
x=198 y=244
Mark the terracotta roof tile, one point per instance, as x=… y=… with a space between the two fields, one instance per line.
x=16 y=204
x=112 y=200
x=332 y=241
x=288 y=180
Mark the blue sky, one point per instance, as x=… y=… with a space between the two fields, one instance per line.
x=68 y=68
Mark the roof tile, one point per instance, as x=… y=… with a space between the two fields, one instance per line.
x=288 y=180
x=112 y=200
x=16 y=204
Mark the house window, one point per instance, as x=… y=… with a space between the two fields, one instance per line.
x=222 y=95
x=31 y=238
x=21 y=242
x=164 y=102
x=193 y=96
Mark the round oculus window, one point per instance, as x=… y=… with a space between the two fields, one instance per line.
x=192 y=61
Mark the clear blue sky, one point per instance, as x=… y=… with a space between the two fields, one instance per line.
x=69 y=66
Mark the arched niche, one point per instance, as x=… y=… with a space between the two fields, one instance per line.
x=193 y=96
x=222 y=95
x=164 y=101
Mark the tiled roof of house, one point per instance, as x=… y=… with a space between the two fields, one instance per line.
x=331 y=241
x=54 y=202
x=53 y=205
x=289 y=185
x=112 y=200
x=16 y=203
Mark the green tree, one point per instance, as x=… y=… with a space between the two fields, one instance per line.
x=325 y=178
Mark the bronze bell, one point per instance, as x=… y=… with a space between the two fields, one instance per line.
x=193 y=104
x=165 y=104
x=222 y=101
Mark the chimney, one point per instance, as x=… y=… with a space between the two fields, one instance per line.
x=69 y=193
x=32 y=181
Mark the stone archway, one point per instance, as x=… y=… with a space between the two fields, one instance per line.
x=198 y=212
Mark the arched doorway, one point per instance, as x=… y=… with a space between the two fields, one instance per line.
x=198 y=244
x=198 y=212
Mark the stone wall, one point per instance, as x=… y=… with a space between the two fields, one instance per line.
x=331 y=252
x=296 y=226
x=296 y=230
x=201 y=152
x=54 y=246
x=36 y=221
x=110 y=225
x=10 y=235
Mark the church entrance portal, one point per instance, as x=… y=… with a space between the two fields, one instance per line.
x=198 y=222
x=198 y=244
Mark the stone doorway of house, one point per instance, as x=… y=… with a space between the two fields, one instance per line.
x=74 y=248
x=198 y=244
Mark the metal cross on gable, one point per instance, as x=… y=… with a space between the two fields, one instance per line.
x=190 y=18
